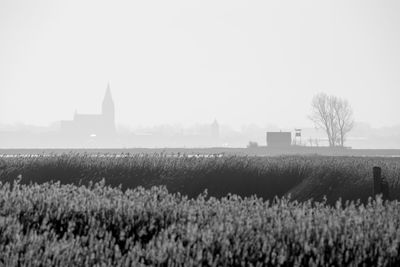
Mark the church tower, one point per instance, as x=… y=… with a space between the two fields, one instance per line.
x=215 y=129
x=108 y=111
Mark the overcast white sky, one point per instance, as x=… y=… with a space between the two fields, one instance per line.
x=189 y=62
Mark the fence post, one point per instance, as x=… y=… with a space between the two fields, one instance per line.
x=385 y=189
x=377 y=171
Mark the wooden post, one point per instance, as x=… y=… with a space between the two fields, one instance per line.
x=377 y=171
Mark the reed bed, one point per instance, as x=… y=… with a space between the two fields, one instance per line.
x=304 y=177
x=97 y=225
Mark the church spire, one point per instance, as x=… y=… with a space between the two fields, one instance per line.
x=108 y=96
x=108 y=105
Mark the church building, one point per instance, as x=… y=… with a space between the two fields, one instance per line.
x=93 y=125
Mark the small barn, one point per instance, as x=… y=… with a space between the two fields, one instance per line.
x=279 y=139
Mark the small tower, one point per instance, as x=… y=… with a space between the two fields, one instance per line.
x=108 y=111
x=215 y=129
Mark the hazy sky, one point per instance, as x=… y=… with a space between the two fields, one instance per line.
x=189 y=62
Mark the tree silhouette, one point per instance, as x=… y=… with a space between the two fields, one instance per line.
x=334 y=115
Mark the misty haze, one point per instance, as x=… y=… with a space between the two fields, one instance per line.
x=209 y=133
x=175 y=68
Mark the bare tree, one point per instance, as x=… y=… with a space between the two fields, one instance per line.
x=344 y=118
x=322 y=116
x=334 y=115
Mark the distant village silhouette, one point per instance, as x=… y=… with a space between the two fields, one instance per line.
x=101 y=131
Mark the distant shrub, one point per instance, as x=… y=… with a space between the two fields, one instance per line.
x=252 y=144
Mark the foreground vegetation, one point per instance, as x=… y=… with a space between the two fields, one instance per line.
x=158 y=210
x=304 y=177
x=66 y=225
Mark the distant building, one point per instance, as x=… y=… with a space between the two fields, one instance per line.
x=279 y=139
x=93 y=125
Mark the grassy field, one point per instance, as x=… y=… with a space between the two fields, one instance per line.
x=304 y=177
x=66 y=225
